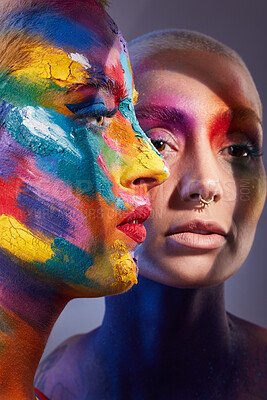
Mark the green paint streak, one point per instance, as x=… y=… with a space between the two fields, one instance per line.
x=69 y=263
x=20 y=91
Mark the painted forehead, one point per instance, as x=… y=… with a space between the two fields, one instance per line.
x=52 y=46
x=65 y=26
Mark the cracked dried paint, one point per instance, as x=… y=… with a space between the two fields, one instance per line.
x=64 y=167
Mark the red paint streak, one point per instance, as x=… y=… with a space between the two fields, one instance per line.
x=219 y=127
x=9 y=191
x=116 y=73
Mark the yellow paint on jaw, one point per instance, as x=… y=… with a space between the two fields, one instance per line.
x=124 y=266
x=19 y=241
x=54 y=64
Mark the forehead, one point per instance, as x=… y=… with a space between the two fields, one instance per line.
x=185 y=71
x=58 y=49
x=81 y=28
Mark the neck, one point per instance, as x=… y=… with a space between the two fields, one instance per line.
x=28 y=310
x=162 y=326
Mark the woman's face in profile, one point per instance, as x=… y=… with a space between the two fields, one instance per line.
x=203 y=114
x=75 y=163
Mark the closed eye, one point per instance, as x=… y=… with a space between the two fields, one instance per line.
x=95 y=114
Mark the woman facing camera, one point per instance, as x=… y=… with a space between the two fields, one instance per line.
x=75 y=170
x=170 y=337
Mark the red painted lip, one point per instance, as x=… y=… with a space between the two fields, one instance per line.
x=132 y=224
x=205 y=235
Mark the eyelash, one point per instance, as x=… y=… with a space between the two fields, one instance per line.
x=94 y=114
x=252 y=151
x=158 y=141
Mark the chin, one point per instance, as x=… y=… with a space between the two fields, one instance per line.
x=113 y=271
x=196 y=271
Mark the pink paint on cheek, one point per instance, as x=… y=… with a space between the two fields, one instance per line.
x=114 y=144
x=102 y=163
x=135 y=201
x=59 y=194
x=49 y=185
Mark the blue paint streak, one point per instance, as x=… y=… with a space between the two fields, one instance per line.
x=61 y=31
x=43 y=216
x=69 y=263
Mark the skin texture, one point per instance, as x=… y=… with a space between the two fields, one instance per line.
x=170 y=336
x=74 y=164
x=213 y=145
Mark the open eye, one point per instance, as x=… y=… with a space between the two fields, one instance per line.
x=159 y=144
x=241 y=151
x=236 y=151
x=163 y=140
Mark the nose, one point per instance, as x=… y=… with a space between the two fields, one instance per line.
x=201 y=179
x=146 y=170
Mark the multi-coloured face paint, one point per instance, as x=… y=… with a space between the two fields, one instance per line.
x=75 y=165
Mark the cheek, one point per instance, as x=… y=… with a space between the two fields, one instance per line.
x=120 y=134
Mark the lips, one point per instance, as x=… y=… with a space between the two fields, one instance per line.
x=132 y=224
x=205 y=235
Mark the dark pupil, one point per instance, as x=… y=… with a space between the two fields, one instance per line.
x=99 y=119
x=159 y=144
x=236 y=151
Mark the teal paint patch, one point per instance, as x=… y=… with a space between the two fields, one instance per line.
x=119 y=203
x=85 y=174
x=69 y=263
x=40 y=130
x=126 y=108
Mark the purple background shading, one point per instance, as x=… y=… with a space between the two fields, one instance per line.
x=242 y=25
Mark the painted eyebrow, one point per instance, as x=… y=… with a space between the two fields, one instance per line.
x=163 y=114
x=114 y=88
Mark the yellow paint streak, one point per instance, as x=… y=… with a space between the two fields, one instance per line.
x=54 y=64
x=19 y=241
x=135 y=96
x=143 y=161
x=123 y=264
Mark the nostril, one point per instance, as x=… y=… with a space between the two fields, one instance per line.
x=145 y=181
x=194 y=196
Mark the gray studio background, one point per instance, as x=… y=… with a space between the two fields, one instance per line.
x=241 y=24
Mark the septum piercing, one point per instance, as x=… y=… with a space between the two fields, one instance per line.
x=205 y=203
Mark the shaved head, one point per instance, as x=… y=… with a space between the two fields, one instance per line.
x=175 y=39
x=154 y=43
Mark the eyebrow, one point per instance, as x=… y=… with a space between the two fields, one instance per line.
x=174 y=115
x=114 y=88
x=245 y=114
x=164 y=114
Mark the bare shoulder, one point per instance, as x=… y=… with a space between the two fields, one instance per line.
x=60 y=374
x=250 y=345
